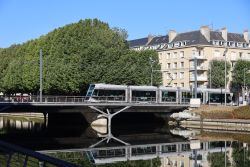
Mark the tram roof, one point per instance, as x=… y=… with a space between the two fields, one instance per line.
x=109 y=86
x=143 y=87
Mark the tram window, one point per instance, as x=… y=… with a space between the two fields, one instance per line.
x=143 y=95
x=109 y=92
x=168 y=94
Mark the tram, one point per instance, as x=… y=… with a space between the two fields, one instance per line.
x=151 y=94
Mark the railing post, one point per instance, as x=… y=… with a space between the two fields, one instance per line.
x=9 y=160
x=25 y=161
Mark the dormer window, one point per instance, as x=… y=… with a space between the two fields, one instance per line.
x=221 y=43
x=177 y=44
x=231 y=44
x=239 y=44
x=171 y=45
x=216 y=42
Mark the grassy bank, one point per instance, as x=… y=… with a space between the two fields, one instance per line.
x=223 y=112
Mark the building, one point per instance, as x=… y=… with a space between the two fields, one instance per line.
x=177 y=52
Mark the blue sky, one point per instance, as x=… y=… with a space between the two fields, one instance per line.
x=22 y=20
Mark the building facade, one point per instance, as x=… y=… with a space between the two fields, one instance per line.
x=178 y=51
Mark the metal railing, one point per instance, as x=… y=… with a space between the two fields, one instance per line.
x=91 y=99
x=143 y=99
x=12 y=155
x=169 y=99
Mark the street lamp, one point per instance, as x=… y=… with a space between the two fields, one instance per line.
x=41 y=75
x=244 y=83
x=210 y=82
x=224 y=54
x=151 y=61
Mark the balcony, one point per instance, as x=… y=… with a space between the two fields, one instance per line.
x=199 y=57
x=199 y=78
x=199 y=68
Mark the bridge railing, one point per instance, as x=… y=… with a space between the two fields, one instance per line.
x=12 y=155
x=92 y=99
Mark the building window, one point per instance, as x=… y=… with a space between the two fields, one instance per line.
x=169 y=65
x=174 y=75
x=216 y=53
x=182 y=65
x=182 y=54
x=194 y=53
x=175 y=85
x=175 y=65
x=168 y=75
x=181 y=75
x=175 y=55
x=168 y=56
x=240 y=54
x=182 y=85
x=233 y=56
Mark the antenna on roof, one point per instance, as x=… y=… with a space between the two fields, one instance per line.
x=211 y=26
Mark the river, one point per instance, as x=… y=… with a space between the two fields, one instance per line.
x=134 y=139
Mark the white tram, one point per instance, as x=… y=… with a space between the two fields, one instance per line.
x=151 y=94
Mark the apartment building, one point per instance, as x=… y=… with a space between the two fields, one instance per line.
x=177 y=52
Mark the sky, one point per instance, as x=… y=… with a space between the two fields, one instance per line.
x=23 y=20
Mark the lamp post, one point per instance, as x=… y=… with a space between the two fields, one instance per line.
x=224 y=54
x=41 y=75
x=151 y=61
x=244 y=82
x=210 y=83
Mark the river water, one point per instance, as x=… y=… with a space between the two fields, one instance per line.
x=132 y=137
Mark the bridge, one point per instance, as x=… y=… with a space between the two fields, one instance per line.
x=107 y=106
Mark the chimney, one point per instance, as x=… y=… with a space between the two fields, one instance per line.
x=205 y=31
x=246 y=35
x=171 y=35
x=224 y=33
x=150 y=37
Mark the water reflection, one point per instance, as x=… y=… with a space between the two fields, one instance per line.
x=172 y=146
x=15 y=124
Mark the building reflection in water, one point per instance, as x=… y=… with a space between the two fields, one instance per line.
x=12 y=123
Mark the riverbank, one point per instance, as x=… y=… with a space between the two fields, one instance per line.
x=220 y=118
x=223 y=112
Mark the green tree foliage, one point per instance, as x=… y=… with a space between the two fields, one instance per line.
x=218 y=73
x=241 y=157
x=241 y=67
x=218 y=159
x=73 y=57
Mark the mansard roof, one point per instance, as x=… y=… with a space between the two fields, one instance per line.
x=159 y=40
x=138 y=42
x=216 y=35
x=192 y=38
x=235 y=37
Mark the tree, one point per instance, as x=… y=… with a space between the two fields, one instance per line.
x=217 y=68
x=73 y=57
x=241 y=67
x=240 y=75
x=218 y=159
